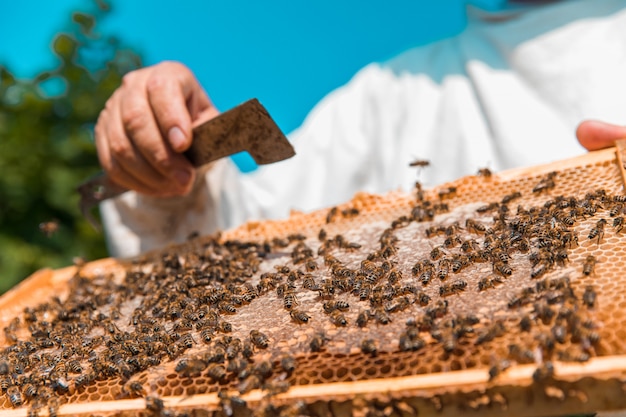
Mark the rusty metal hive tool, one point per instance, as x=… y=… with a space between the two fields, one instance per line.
x=247 y=127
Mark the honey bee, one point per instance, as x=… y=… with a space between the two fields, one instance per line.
x=521 y=355
x=317 y=342
x=589 y=265
x=225 y=327
x=447 y=192
x=498 y=368
x=420 y=163
x=288 y=363
x=559 y=332
x=544 y=185
x=400 y=304
x=497 y=329
x=299 y=317
x=330 y=306
x=543 y=372
x=453 y=288
x=510 y=197
x=289 y=300
x=259 y=339
x=474 y=226
x=362 y=319
x=597 y=231
x=525 y=323
x=618 y=224
x=332 y=213
x=49 y=228
x=368 y=346
x=410 y=342
x=216 y=371
x=338 y=319
x=573 y=355
x=134 y=389
x=250 y=383
x=154 y=404
x=190 y=367
x=488 y=207
x=486 y=283
x=484 y=172
x=381 y=316
x=616 y=209
x=589 y=296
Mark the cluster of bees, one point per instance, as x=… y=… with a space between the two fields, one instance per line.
x=175 y=309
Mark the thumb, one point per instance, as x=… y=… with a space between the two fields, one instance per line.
x=593 y=134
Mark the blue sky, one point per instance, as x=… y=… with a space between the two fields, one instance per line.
x=287 y=53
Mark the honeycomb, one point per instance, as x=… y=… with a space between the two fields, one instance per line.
x=496 y=292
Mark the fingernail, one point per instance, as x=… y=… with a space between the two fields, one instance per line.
x=176 y=137
x=182 y=176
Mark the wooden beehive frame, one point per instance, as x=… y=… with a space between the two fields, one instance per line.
x=599 y=384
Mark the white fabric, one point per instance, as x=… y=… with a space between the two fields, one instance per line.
x=506 y=92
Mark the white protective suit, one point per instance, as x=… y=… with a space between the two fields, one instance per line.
x=508 y=91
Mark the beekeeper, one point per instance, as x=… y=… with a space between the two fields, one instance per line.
x=509 y=91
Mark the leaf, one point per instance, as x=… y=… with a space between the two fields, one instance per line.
x=85 y=21
x=65 y=46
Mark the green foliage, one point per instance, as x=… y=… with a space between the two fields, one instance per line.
x=47 y=149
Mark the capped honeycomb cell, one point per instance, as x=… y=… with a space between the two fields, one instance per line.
x=500 y=292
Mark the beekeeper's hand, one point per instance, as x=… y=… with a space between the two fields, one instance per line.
x=146 y=125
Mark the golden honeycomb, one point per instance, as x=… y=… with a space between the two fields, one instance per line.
x=493 y=293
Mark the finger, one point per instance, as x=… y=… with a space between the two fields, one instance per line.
x=176 y=98
x=593 y=134
x=140 y=127
x=113 y=168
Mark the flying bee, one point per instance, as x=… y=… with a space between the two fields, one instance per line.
x=589 y=296
x=259 y=339
x=597 y=231
x=419 y=163
x=589 y=265
x=49 y=228
x=299 y=317
x=368 y=346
